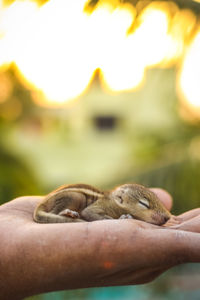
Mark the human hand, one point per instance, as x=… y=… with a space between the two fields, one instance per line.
x=37 y=258
x=188 y=221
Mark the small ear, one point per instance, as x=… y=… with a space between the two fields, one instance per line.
x=119 y=200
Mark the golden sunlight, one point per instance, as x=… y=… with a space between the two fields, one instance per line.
x=57 y=47
x=190 y=74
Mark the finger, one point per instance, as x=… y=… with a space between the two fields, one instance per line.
x=189 y=214
x=164 y=197
x=189 y=221
x=192 y=225
x=174 y=220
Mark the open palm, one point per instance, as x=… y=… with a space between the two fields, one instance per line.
x=37 y=258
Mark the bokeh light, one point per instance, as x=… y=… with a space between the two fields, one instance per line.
x=190 y=74
x=57 y=47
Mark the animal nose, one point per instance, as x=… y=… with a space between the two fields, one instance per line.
x=165 y=219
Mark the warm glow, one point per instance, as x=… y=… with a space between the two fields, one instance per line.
x=151 y=37
x=181 y=30
x=190 y=74
x=120 y=67
x=14 y=29
x=57 y=47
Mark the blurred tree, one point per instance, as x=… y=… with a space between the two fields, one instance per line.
x=194 y=6
x=15 y=178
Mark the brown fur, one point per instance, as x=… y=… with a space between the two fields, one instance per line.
x=63 y=204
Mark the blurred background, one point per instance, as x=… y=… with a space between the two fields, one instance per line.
x=103 y=92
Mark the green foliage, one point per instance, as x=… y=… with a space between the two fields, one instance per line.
x=15 y=178
x=180 y=179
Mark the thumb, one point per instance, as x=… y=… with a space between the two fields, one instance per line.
x=164 y=197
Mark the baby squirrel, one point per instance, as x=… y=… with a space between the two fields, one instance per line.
x=82 y=202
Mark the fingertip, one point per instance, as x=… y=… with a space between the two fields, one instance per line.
x=164 y=197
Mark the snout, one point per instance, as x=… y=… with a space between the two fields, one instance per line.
x=160 y=219
x=164 y=219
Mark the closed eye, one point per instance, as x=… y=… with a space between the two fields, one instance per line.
x=144 y=203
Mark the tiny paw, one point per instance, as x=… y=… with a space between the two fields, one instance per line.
x=69 y=213
x=173 y=221
x=126 y=217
